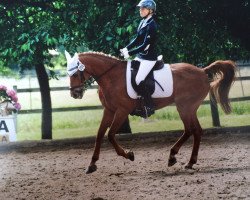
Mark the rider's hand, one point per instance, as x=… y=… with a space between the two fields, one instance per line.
x=124 y=53
x=123 y=50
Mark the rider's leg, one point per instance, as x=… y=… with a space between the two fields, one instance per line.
x=147 y=99
x=145 y=68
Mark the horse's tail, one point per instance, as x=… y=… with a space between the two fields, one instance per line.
x=221 y=76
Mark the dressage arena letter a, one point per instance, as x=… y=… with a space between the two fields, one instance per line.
x=3 y=126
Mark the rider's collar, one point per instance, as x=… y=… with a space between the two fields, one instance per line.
x=147 y=18
x=145 y=21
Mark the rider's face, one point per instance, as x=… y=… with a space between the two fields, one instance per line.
x=144 y=12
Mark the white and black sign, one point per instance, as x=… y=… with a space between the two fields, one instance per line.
x=7 y=129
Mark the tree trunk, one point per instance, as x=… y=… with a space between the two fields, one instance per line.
x=43 y=80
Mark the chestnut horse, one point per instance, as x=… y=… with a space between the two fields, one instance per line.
x=191 y=85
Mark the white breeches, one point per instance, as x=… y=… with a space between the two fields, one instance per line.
x=144 y=69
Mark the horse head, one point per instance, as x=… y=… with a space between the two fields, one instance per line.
x=75 y=70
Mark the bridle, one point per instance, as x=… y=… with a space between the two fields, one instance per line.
x=81 y=68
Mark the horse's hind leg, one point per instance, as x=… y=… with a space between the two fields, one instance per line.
x=196 y=143
x=176 y=147
x=105 y=123
x=192 y=127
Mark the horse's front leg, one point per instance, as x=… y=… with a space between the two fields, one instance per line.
x=105 y=123
x=119 y=118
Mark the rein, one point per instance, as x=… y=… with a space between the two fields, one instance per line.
x=105 y=72
x=86 y=83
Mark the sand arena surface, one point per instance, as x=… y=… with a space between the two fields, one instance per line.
x=222 y=172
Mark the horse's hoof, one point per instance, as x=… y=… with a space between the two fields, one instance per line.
x=131 y=156
x=91 y=169
x=171 y=161
x=189 y=166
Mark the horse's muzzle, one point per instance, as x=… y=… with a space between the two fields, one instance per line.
x=77 y=93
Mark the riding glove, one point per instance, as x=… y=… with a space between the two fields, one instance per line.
x=125 y=53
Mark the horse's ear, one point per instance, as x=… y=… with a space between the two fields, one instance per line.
x=76 y=55
x=68 y=57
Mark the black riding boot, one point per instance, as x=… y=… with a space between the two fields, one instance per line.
x=149 y=105
x=147 y=100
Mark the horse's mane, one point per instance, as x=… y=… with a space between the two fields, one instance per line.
x=101 y=54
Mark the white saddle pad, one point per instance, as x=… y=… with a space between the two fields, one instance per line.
x=164 y=78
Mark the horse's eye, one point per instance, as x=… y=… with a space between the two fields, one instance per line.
x=75 y=75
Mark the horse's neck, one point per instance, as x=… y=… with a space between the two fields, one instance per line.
x=97 y=65
x=102 y=68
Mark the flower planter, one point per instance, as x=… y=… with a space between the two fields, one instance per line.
x=8 y=128
x=8 y=114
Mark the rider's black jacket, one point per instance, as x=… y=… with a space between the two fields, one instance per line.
x=144 y=45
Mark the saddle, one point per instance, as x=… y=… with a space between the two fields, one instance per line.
x=149 y=82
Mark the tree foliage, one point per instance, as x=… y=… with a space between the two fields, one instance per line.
x=192 y=30
x=189 y=31
x=30 y=28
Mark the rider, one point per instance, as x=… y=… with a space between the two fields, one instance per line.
x=144 y=47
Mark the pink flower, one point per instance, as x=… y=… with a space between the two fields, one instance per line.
x=15 y=98
x=11 y=94
x=2 y=87
x=7 y=95
x=17 y=106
